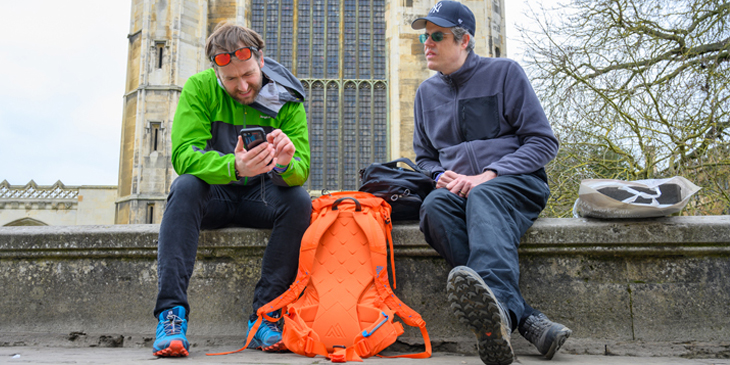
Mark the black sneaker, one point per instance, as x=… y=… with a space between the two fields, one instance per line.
x=545 y=334
x=476 y=307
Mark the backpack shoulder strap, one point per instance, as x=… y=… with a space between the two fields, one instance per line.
x=379 y=260
x=307 y=251
x=310 y=241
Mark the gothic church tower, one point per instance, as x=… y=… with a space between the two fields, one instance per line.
x=359 y=61
x=166 y=46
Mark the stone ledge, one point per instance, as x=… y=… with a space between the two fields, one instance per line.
x=705 y=235
x=621 y=283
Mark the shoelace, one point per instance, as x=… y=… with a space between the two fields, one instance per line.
x=174 y=325
x=534 y=327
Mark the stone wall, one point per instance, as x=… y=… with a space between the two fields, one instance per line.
x=624 y=287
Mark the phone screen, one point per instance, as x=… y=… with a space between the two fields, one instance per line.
x=252 y=137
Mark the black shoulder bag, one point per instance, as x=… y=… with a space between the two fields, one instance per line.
x=404 y=189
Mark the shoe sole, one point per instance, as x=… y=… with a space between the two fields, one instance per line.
x=559 y=341
x=175 y=349
x=277 y=347
x=476 y=307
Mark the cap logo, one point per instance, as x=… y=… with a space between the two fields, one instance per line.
x=436 y=8
x=460 y=21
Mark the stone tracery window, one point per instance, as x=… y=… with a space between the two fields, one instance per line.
x=337 y=49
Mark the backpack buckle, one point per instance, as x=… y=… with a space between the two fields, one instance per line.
x=362 y=348
x=339 y=354
x=309 y=346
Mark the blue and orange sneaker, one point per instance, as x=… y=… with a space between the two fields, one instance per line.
x=267 y=337
x=170 y=340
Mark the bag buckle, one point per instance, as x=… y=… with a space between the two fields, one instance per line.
x=339 y=354
x=395 y=197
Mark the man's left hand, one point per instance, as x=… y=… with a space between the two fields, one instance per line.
x=283 y=147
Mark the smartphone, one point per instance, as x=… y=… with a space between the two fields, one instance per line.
x=252 y=137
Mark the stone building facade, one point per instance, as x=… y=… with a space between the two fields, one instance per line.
x=56 y=205
x=359 y=61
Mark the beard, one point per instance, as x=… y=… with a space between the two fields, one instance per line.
x=247 y=99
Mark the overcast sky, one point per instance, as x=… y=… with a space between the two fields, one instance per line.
x=62 y=71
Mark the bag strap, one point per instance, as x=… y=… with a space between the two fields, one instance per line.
x=308 y=248
x=379 y=260
x=407 y=161
x=377 y=241
x=408 y=315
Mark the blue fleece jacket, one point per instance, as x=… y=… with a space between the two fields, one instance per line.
x=483 y=116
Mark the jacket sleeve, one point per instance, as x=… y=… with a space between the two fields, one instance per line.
x=190 y=136
x=293 y=122
x=522 y=110
x=427 y=156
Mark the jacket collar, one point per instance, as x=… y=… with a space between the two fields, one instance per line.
x=278 y=87
x=464 y=73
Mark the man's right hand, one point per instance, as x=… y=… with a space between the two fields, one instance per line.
x=258 y=160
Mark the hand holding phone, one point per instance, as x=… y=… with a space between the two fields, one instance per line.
x=250 y=163
x=252 y=137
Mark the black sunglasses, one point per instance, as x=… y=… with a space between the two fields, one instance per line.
x=243 y=54
x=436 y=37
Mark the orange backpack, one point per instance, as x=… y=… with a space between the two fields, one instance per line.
x=346 y=310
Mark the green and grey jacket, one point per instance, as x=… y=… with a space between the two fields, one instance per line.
x=207 y=124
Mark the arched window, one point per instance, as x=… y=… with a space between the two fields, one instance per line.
x=25 y=222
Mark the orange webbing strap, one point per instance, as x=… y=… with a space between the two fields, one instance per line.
x=389 y=237
x=371 y=229
x=307 y=250
x=309 y=244
x=299 y=338
x=420 y=355
x=251 y=333
x=408 y=315
x=379 y=259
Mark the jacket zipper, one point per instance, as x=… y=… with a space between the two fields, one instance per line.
x=469 y=147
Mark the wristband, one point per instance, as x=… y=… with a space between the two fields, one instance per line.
x=437 y=177
x=280 y=168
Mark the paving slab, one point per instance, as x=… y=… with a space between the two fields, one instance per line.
x=119 y=356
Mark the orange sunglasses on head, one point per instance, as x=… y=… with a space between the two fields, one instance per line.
x=243 y=54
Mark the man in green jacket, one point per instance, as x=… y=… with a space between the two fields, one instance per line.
x=222 y=184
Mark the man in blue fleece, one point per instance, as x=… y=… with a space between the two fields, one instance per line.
x=481 y=130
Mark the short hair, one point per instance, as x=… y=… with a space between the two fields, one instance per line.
x=459 y=33
x=228 y=37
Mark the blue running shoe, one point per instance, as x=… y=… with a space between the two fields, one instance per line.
x=267 y=337
x=171 y=340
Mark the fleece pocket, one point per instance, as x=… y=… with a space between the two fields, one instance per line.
x=479 y=118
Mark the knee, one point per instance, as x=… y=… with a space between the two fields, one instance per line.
x=438 y=204
x=298 y=205
x=437 y=201
x=485 y=190
x=188 y=187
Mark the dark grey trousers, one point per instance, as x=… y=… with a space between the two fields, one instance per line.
x=483 y=232
x=193 y=205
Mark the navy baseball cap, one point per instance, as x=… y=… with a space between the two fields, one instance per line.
x=448 y=14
